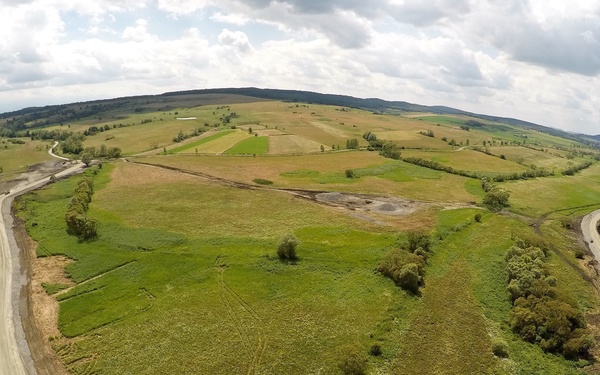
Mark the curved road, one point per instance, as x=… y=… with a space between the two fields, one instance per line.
x=14 y=353
x=590 y=233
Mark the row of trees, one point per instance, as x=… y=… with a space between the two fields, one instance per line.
x=387 y=149
x=539 y=314
x=439 y=167
x=78 y=224
x=571 y=170
x=181 y=136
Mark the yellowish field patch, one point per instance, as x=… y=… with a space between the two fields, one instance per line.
x=399 y=135
x=270 y=132
x=535 y=197
x=16 y=158
x=222 y=144
x=138 y=138
x=220 y=211
x=527 y=156
x=468 y=160
x=293 y=144
x=329 y=129
x=448 y=188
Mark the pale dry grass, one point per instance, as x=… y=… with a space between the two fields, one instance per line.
x=448 y=188
x=551 y=159
x=222 y=144
x=468 y=160
x=293 y=144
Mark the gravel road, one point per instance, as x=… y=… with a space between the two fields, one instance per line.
x=590 y=233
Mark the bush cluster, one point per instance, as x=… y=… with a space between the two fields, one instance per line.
x=406 y=267
x=78 y=223
x=495 y=198
x=539 y=315
x=181 y=136
x=286 y=247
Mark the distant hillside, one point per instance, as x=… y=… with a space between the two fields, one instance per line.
x=42 y=116
x=380 y=105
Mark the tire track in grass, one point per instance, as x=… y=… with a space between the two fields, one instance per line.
x=64 y=291
x=232 y=301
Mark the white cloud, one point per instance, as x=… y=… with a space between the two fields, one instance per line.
x=538 y=60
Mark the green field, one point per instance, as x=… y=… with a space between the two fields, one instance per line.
x=210 y=283
x=16 y=158
x=255 y=145
x=183 y=276
x=199 y=142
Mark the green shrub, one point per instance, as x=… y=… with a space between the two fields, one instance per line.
x=262 y=181
x=286 y=247
x=478 y=218
x=405 y=269
x=496 y=199
x=349 y=173
x=500 y=348
x=375 y=350
x=539 y=315
x=418 y=240
x=352 y=360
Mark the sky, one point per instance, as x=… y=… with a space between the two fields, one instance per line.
x=535 y=60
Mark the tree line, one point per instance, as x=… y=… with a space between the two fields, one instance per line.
x=78 y=224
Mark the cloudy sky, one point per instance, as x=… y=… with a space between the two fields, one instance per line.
x=537 y=60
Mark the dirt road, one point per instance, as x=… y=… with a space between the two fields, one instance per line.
x=15 y=358
x=590 y=233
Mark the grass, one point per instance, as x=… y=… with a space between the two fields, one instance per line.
x=378 y=175
x=200 y=142
x=468 y=160
x=293 y=144
x=222 y=144
x=151 y=276
x=254 y=145
x=558 y=192
x=183 y=277
x=16 y=158
x=226 y=276
x=54 y=288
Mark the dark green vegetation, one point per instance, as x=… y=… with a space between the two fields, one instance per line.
x=78 y=223
x=194 y=269
x=538 y=314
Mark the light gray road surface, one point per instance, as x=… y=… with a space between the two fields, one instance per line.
x=590 y=233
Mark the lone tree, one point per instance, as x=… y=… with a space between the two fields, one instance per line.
x=86 y=158
x=286 y=247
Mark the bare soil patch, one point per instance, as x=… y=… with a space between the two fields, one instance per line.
x=34 y=173
x=382 y=205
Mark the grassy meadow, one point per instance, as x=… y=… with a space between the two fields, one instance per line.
x=183 y=276
x=17 y=158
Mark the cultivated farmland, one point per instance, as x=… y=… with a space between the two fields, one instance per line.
x=184 y=277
